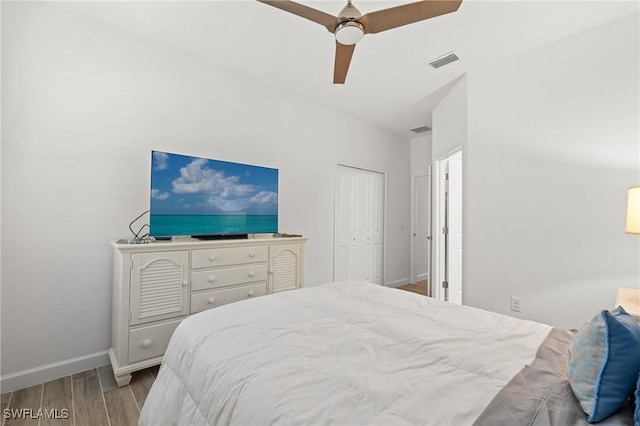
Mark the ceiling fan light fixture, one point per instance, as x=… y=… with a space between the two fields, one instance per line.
x=349 y=32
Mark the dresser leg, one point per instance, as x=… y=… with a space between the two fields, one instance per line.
x=123 y=379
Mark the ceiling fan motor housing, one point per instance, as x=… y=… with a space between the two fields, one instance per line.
x=349 y=12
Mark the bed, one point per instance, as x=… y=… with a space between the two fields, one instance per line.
x=359 y=353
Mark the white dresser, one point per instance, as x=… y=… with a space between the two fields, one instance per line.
x=629 y=299
x=157 y=285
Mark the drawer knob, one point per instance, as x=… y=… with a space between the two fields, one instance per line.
x=212 y=279
x=250 y=294
x=251 y=273
x=211 y=300
x=146 y=344
x=212 y=257
x=251 y=254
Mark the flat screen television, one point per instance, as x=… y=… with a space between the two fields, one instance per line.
x=209 y=199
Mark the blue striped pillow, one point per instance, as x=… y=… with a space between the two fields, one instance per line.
x=604 y=361
x=637 y=415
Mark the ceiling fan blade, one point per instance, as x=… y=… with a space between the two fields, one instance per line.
x=386 y=19
x=328 y=21
x=343 y=59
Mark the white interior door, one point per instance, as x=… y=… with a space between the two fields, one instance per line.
x=448 y=228
x=359 y=207
x=422 y=226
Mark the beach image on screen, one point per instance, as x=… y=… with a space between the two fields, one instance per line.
x=199 y=196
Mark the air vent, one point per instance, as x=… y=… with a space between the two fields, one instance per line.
x=444 y=60
x=421 y=129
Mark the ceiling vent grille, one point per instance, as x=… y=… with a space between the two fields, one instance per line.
x=421 y=129
x=444 y=60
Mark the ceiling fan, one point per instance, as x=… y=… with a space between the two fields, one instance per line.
x=350 y=25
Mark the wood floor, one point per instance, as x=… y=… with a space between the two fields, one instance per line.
x=420 y=287
x=90 y=398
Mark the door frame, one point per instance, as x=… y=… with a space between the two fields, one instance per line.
x=438 y=222
x=383 y=212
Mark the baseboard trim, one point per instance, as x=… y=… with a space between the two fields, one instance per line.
x=398 y=283
x=35 y=376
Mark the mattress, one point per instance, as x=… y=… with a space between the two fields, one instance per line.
x=345 y=353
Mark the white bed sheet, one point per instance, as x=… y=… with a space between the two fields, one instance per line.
x=343 y=353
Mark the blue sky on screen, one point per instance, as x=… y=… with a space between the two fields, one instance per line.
x=183 y=185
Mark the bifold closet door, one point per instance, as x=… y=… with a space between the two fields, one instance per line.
x=359 y=207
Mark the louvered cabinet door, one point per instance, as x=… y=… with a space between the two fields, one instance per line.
x=285 y=272
x=159 y=286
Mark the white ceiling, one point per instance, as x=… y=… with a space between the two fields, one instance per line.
x=389 y=82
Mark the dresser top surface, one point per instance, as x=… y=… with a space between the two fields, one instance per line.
x=192 y=243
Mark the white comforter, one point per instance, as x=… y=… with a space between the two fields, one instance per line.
x=343 y=353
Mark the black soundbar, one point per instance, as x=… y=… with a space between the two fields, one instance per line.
x=221 y=237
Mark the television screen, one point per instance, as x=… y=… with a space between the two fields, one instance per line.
x=200 y=197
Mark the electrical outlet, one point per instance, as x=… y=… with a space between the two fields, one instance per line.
x=516 y=304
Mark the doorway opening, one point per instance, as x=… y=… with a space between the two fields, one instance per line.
x=421 y=234
x=447 y=278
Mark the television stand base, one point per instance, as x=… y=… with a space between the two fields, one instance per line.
x=221 y=237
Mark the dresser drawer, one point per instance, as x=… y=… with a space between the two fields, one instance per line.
x=216 y=278
x=150 y=341
x=207 y=258
x=215 y=298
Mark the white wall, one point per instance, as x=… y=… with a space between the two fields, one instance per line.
x=450 y=121
x=82 y=107
x=420 y=165
x=420 y=154
x=552 y=148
